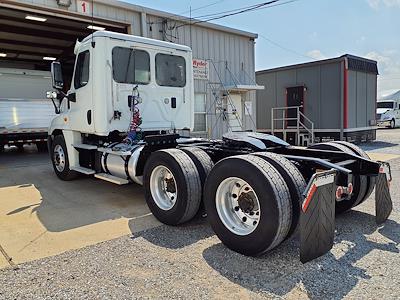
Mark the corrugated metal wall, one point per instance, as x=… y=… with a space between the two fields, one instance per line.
x=362 y=98
x=223 y=48
x=321 y=100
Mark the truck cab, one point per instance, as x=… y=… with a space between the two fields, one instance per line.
x=388 y=110
x=110 y=68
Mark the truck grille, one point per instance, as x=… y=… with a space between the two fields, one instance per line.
x=378 y=116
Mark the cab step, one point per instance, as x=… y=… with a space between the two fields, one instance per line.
x=111 y=178
x=85 y=146
x=83 y=170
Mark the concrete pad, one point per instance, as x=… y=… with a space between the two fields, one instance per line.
x=41 y=216
x=382 y=156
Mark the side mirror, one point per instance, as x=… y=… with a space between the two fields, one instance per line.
x=56 y=75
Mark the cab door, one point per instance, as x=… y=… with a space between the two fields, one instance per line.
x=173 y=88
x=80 y=94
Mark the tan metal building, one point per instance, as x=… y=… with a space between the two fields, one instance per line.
x=32 y=31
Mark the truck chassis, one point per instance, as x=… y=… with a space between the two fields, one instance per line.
x=257 y=190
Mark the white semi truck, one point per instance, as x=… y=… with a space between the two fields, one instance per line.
x=388 y=109
x=127 y=117
x=25 y=113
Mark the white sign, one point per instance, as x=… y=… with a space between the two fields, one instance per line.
x=84 y=7
x=200 y=69
x=248 y=106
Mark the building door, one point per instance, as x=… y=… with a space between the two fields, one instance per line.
x=235 y=112
x=294 y=97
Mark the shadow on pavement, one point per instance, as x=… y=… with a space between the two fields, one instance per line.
x=177 y=237
x=280 y=270
x=370 y=146
x=63 y=205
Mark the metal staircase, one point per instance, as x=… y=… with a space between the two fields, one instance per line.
x=303 y=130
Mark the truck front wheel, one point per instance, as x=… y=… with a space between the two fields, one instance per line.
x=59 y=158
x=392 y=124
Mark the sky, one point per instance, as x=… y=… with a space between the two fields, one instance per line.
x=306 y=30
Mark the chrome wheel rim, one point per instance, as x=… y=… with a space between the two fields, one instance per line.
x=59 y=158
x=238 y=206
x=163 y=187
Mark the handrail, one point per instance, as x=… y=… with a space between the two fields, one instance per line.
x=299 y=122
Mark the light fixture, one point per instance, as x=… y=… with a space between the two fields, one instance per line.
x=49 y=58
x=94 y=27
x=3 y=54
x=35 y=18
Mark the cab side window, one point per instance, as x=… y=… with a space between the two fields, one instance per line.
x=131 y=66
x=81 y=77
x=170 y=70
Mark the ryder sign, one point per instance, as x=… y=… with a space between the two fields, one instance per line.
x=200 y=69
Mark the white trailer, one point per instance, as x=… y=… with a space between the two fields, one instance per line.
x=25 y=113
x=388 y=109
x=127 y=117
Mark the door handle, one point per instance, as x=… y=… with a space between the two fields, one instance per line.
x=173 y=102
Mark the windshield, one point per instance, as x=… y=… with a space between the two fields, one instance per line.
x=386 y=104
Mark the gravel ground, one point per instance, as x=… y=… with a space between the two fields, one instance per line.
x=189 y=262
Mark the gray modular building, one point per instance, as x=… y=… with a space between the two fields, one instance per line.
x=223 y=58
x=336 y=99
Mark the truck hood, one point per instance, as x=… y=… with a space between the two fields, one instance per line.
x=382 y=110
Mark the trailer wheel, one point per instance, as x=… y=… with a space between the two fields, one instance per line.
x=59 y=158
x=248 y=204
x=294 y=180
x=41 y=146
x=371 y=180
x=172 y=186
x=359 y=182
x=201 y=159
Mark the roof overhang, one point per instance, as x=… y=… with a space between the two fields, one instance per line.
x=242 y=88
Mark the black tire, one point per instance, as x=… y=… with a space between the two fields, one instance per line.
x=294 y=180
x=392 y=124
x=202 y=161
x=41 y=146
x=371 y=180
x=274 y=200
x=20 y=147
x=64 y=174
x=1 y=148
x=188 y=186
x=359 y=183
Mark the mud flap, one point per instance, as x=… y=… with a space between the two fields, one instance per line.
x=383 y=201
x=317 y=218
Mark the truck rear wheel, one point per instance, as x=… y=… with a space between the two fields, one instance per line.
x=172 y=186
x=359 y=182
x=248 y=204
x=371 y=180
x=59 y=158
x=201 y=159
x=294 y=180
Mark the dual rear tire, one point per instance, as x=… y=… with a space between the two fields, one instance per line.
x=252 y=201
x=173 y=181
x=363 y=185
